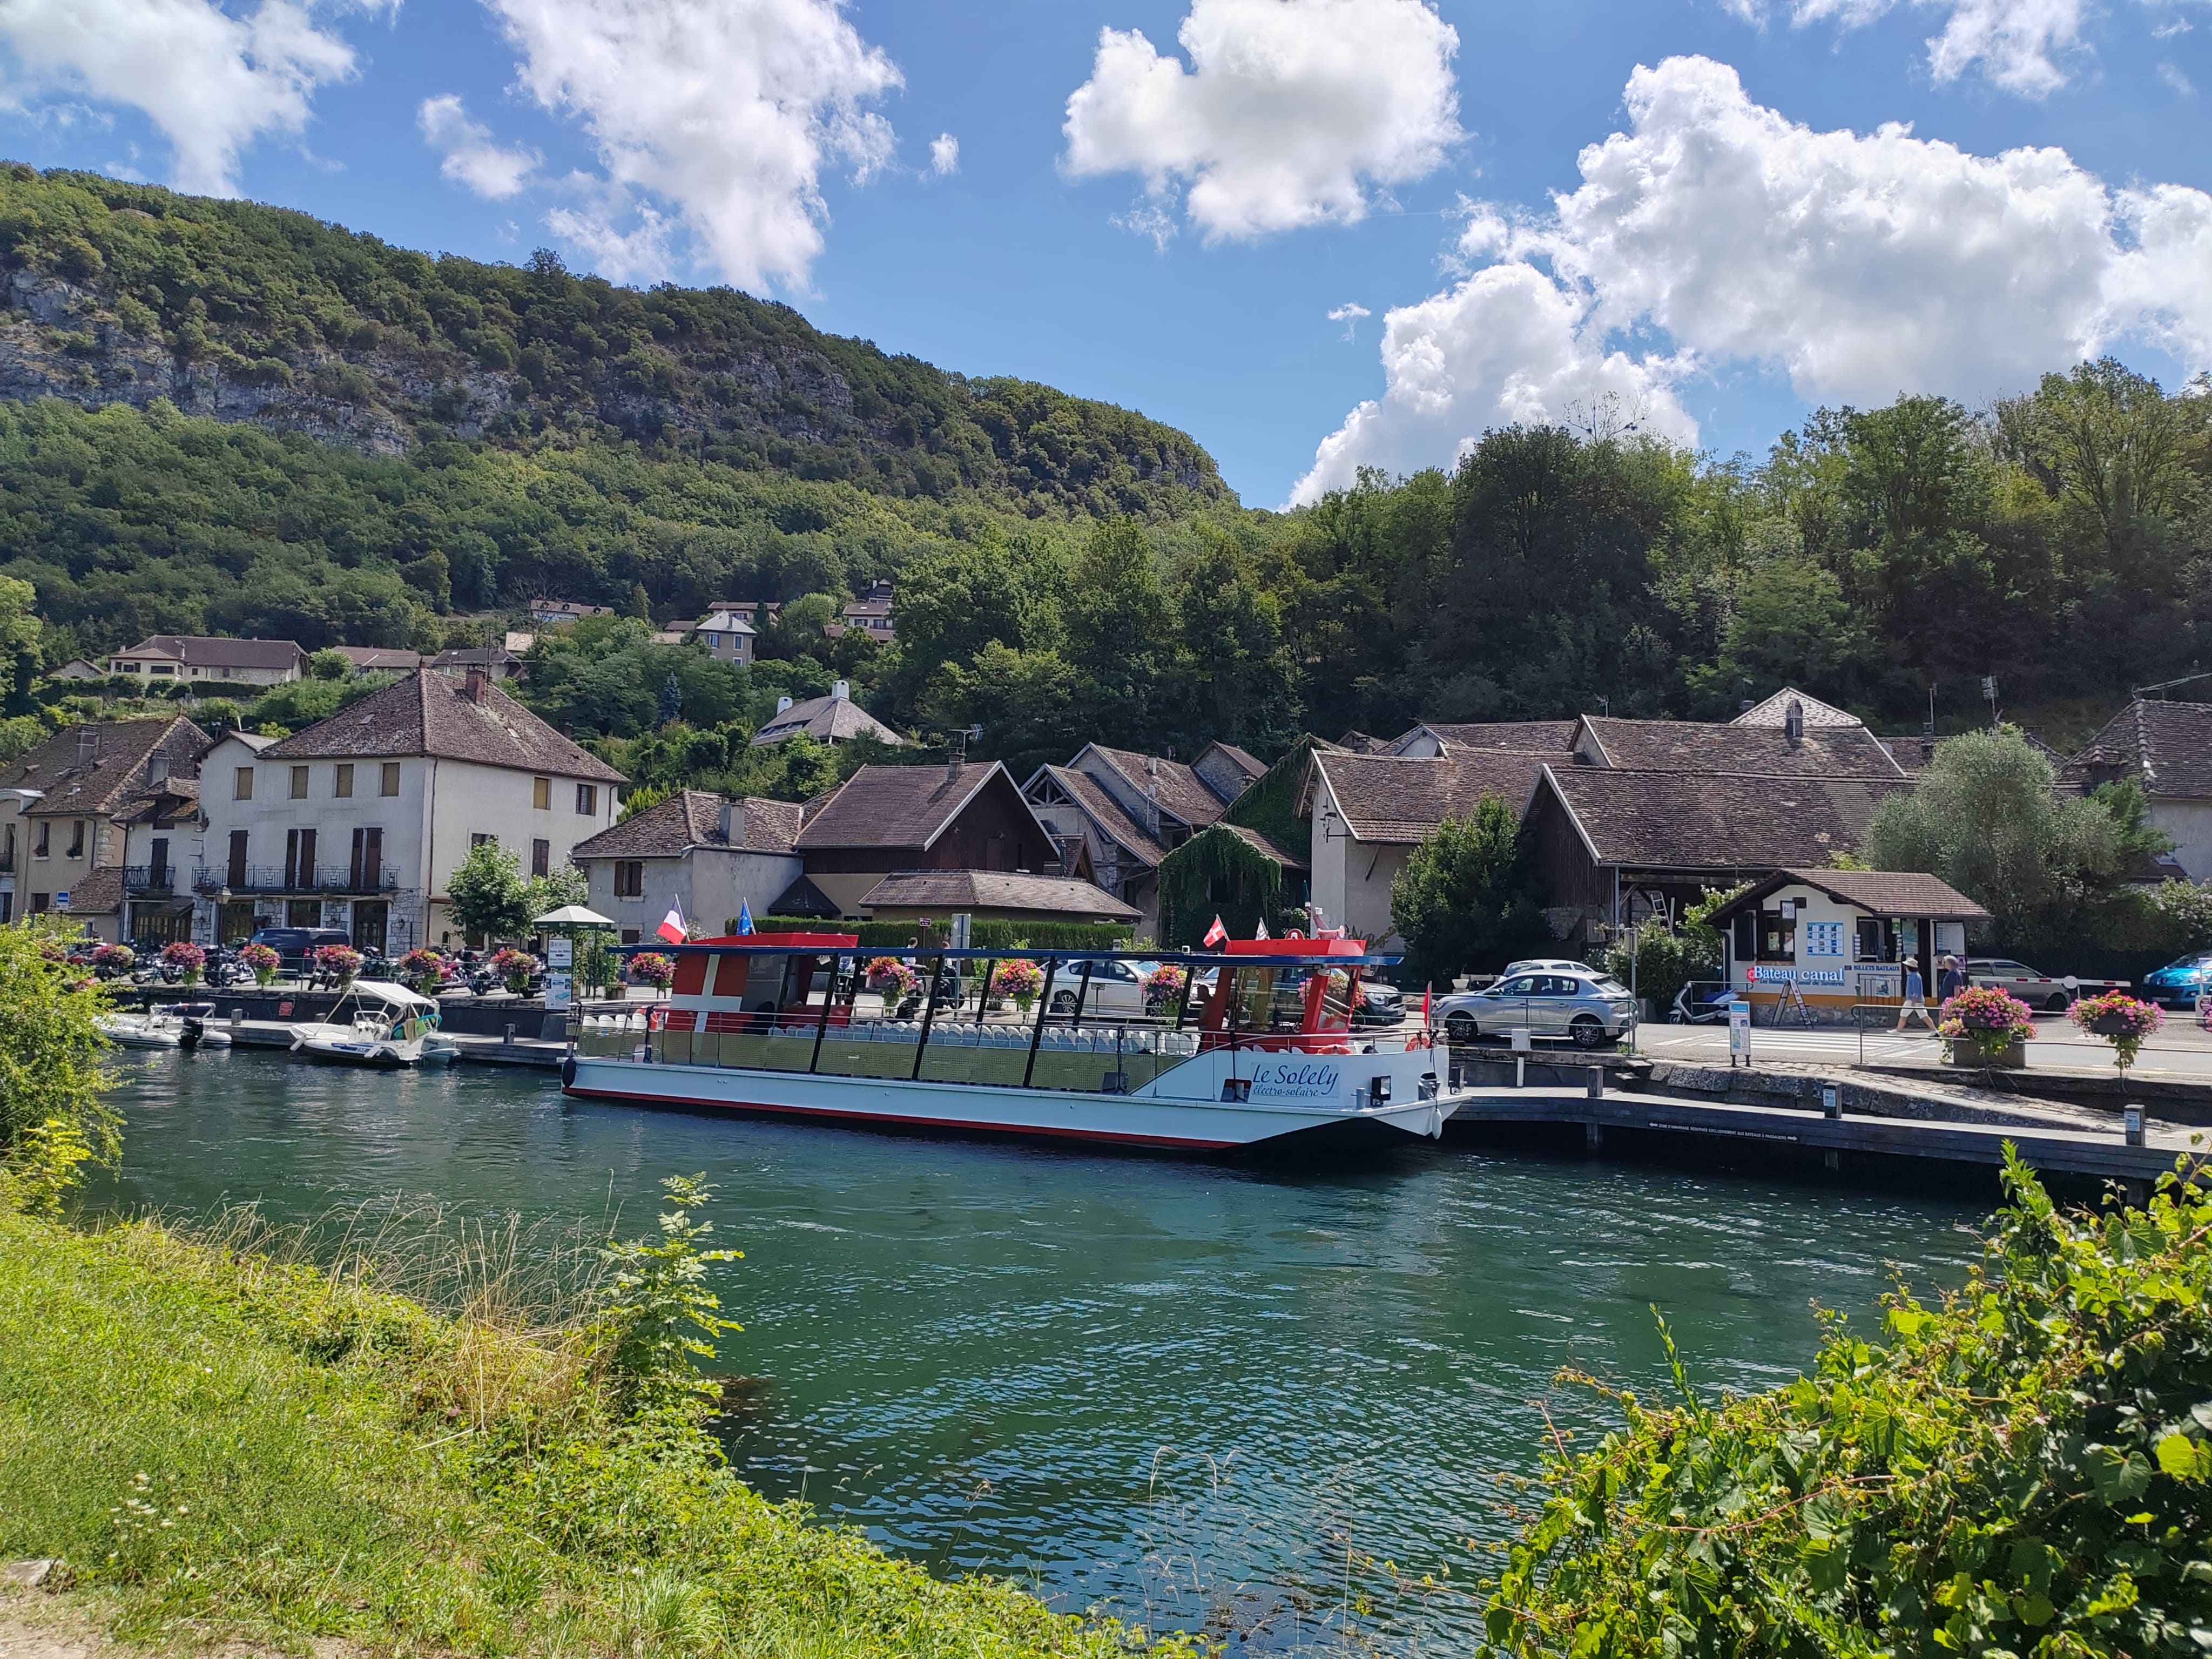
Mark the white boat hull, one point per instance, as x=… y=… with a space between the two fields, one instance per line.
x=1181 y=1110
x=349 y=1047
x=131 y=1031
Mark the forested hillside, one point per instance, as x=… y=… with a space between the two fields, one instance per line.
x=227 y=418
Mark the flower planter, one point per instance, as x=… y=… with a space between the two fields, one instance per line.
x=1997 y=1048
x=2112 y=1025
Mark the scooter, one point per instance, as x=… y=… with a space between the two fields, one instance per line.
x=1709 y=1009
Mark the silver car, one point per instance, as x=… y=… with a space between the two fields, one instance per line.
x=1587 y=1009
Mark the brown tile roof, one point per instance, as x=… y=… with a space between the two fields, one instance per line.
x=1698 y=746
x=1705 y=821
x=995 y=890
x=2166 y=745
x=430 y=713
x=1399 y=799
x=693 y=817
x=1114 y=820
x=1183 y=793
x=1273 y=849
x=1364 y=742
x=199 y=651
x=1514 y=736
x=1883 y=892
x=895 y=805
x=826 y=719
x=112 y=779
x=1913 y=751
x=97 y=893
x=1775 y=711
x=1247 y=762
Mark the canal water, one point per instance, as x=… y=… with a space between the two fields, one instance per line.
x=1187 y=1394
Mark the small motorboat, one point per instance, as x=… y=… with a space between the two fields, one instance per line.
x=152 y=1028
x=375 y=1023
x=197 y=1019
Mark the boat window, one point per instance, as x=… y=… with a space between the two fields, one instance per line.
x=1263 y=999
x=1335 y=999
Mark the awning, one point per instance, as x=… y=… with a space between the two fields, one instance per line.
x=572 y=915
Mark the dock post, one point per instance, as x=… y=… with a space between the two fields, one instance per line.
x=507 y=1041
x=1594 y=1136
x=237 y=1018
x=1596 y=1078
x=2131 y=1124
x=1831 y=1103
x=1832 y=1159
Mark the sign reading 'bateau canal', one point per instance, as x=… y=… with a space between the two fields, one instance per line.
x=1304 y=1079
x=1765 y=975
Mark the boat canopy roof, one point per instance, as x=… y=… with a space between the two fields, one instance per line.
x=383 y=990
x=1238 y=953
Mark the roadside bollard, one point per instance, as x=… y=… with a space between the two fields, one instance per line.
x=1831 y=1101
x=508 y=1040
x=1520 y=1056
x=237 y=1018
x=1596 y=1076
x=2131 y=1124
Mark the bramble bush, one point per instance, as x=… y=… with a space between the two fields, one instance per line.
x=2025 y=1467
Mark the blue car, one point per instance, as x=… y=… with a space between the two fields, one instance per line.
x=2179 y=984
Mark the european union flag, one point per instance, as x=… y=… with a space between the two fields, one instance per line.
x=744 y=917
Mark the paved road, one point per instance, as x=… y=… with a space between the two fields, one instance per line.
x=2180 y=1051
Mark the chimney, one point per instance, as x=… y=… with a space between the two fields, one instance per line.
x=88 y=745
x=1793 y=722
x=956 y=752
x=1152 y=793
x=157 y=771
x=841 y=691
x=732 y=833
x=783 y=705
x=472 y=686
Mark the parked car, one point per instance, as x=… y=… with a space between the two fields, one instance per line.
x=1587 y=1009
x=297 y=944
x=1381 y=1005
x=2036 y=990
x=1117 y=990
x=1552 y=965
x=2179 y=984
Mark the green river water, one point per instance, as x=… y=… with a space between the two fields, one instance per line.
x=1186 y=1393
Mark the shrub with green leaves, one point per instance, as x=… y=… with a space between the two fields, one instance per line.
x=2025 y=1467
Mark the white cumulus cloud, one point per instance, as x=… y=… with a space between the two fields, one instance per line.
x=943 y=155
x=2019 y=45
x=1716 y=232
x=719 y=116
x=211 y=83
x=1288 y=112
x=470 y=159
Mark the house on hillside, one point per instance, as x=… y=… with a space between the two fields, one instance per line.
x=889 y=820
x=380 y=658
x=1369 y=813
x=499 y=661
x=168 y=658
x=1617 y=847
x=869 y=614
x=832 y=720
x=101 y=822
x=707 y=855
x=1120 y=812
x=360 y=821
x=726 y=631
x=551 y=613
x=1809 y=711
x=1507 y=737
x=1840 y=751
x=2166 y=748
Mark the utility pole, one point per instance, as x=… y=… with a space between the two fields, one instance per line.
x=1989 y=695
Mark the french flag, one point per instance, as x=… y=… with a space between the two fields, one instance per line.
x=671 y=925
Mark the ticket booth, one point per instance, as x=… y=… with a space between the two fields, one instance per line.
x=1814 y=944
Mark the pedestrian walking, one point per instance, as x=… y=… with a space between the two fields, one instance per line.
x=1915 y=1005
x=1951 y=982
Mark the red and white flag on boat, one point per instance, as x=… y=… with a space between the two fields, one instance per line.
x=671 y=925
x=1263 y=933
x=1215 y=935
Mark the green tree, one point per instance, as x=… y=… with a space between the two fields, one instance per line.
x=20 y=655
x=490 y=900
x=1988 y=818
x=1241 y=680
x=2120 y=455
x=566 y=885
x=54 y=1111
x=329 y=665
x=1466 y=900
x=1120 y=643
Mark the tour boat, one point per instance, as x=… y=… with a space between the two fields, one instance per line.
x=389 y=1026
x=772 y=1022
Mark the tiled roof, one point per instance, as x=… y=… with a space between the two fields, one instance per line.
x=1245 y=760
x=1697 y=746
x=1775 y=711
x=1114 y=820
x=2168 y=745
x=1513 y=737
x=995 y=890
x=1913 y=751
x=97 y=893
x=1274 y=849
x=826 y=719
x=474 y=656
x=431 y=714
x=1399 y=799
x=1183 y=793
x=200 y=651
x=693 y=817
x=379 y=659
x=1706 y=821
x=112 y=779
x=894 y=805
x=1365 y=743
x=1883 y=892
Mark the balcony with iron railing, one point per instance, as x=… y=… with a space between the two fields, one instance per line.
x=275 y=879
x=151 y=879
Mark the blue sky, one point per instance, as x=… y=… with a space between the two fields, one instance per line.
x=1745 y=247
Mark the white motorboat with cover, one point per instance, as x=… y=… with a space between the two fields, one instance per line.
x=375 y=1023
x=166 y=1025
x=774 y=1023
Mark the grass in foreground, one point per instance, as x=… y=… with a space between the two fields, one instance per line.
x=230 y=1444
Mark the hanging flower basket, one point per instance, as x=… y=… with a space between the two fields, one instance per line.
x=1021 y=980
x=2121 y=1020
x=187 y=958
x=263 y=959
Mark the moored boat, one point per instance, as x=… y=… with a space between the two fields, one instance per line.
x=387 y=1025
x=775 y=1024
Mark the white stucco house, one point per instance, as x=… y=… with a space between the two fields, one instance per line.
x=2165 y=747
x=707 y=855
x=358 y=821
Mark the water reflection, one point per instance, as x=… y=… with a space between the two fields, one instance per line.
x=1176 y=1390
